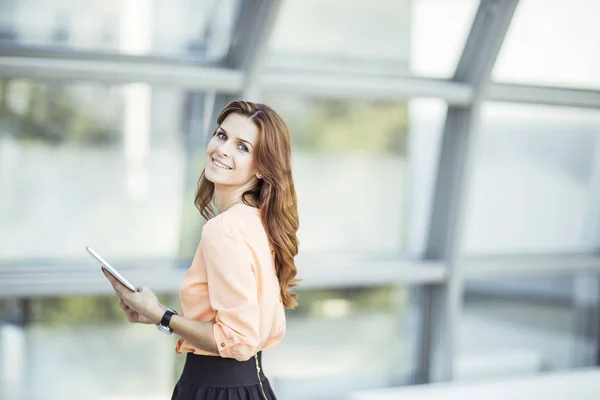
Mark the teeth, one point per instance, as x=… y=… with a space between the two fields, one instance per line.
x=220 y=165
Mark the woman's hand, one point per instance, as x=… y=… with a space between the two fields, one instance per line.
x=133 y=316
x=141 y=306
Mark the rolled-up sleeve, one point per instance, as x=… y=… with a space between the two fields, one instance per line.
x=232 y=290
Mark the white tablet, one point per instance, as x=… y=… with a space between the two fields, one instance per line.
x=110 y=269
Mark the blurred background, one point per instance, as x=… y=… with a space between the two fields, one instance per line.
x=446 y=155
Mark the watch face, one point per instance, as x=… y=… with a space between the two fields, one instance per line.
x=164 y=329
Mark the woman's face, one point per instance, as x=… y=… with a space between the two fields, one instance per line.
x=230 y=152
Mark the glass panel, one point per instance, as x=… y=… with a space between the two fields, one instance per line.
x=114 y=177
x=350 y=166
x=197 y=29
x=549 y=43
x=520 y=326
x=333 y=344
x=438 y=34
x=71 y=347
x=388 y=36
x=536 y=180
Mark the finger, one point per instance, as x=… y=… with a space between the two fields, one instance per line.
x=109 y=276
x=123 y=301
x=110 y=280
x=133 y=316
x=126 y=308
x=119 y=288
x=128 y=317
x=130 y=314
x=113 y=281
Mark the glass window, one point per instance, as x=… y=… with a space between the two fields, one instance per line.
x=181 y=28
x=439 y=31
x=70 y=346
x=119 y=177
x=520 y=326
x=350 y=171
x=330 y=347
x=551 y=44
x=535 y=182
x=333 y=343
x=387 y=36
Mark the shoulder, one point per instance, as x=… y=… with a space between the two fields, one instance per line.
x=237 y=222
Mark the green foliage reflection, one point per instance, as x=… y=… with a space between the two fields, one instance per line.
x=333 y=125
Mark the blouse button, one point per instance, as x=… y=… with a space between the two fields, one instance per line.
x=222 y=344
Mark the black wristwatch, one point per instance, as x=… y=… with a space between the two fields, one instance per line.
x=165 y=321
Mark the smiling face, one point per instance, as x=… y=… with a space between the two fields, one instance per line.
x=230 y=153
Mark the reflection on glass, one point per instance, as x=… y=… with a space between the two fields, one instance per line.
x=196 y=29
x=339 y=340
x=536 y=180
x=349 y=165
x=551 y=44
x=93 y=164
x=514 y=327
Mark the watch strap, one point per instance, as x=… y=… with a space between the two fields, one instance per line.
x=166 y=319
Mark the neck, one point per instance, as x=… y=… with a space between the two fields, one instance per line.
x=227 y=196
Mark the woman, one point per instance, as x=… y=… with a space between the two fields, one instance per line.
x=234 y=294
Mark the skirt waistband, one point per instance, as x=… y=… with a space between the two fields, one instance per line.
x=213 y=371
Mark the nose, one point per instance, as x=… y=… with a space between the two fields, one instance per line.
x=223 y=150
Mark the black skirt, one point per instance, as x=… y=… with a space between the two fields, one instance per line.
x=217 y=378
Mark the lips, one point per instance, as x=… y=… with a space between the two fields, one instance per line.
x=221 y=165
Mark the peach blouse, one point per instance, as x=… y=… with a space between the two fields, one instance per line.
x=232 y=283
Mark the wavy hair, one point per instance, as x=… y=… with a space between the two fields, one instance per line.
x=274 y=194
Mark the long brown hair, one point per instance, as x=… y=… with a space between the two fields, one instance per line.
x=274 y=194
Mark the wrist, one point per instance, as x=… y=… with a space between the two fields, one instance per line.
x=165 y=324
x=157 y=314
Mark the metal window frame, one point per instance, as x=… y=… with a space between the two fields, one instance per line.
x=157 y=73
x=233 y=81
x=365 y=86
x=529 y=265
x=253 y=34
x=83 y=278
x=442 y=304
x=553 y=96
x=443 y=271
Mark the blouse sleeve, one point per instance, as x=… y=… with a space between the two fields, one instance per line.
x=232 y=290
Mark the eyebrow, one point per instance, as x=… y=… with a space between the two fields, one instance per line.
x=239 y=138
